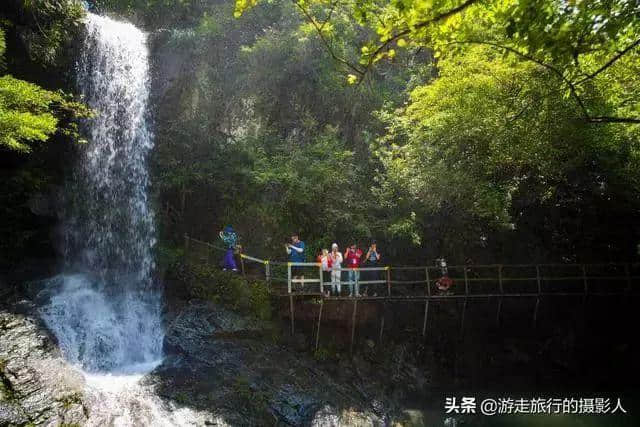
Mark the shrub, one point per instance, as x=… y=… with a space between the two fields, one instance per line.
x=244 y=295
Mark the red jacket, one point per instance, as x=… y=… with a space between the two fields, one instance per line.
x=329 y=261
x=353 y=258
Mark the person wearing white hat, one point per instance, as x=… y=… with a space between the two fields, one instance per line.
x=336 y=261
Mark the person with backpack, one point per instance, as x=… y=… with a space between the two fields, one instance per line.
x=230 y=240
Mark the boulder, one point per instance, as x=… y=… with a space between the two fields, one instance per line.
x=36 y=385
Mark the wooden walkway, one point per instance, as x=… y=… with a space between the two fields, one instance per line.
x=418 y=283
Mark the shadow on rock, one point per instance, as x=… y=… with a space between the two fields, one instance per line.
x=223 y=363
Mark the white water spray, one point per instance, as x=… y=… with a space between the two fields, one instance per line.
x=107 y=317
x=106 y=311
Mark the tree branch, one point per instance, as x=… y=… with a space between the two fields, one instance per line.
x=607 y=119
x=569 y=83
x=572 y=86
x=610 y=62
x=422 y=24
x=324 y=40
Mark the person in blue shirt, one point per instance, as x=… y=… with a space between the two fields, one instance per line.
x=295 y=251
x=230 y=240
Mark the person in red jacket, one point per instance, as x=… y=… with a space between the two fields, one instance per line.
x=352 y=258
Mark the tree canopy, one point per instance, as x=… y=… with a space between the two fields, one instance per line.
x=576 y=40
x=472 y=129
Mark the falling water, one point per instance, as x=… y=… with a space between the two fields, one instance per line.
x=105 y=311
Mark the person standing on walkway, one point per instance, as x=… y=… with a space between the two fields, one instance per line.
x=230 y=240
x=352 y=257
x=325 y=263
x=371 y=259
x=295 y=251
x=336 y=262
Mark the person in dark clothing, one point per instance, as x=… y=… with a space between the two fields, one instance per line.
x=230 y=240
x=372 y=260
x=295 y=251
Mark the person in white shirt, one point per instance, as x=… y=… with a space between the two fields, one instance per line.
x=336 y=262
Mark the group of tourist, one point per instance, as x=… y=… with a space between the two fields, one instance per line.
x=332 y=264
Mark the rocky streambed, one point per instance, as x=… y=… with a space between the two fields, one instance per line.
x=219 y=369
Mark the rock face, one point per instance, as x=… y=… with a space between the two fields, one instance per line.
x=220 y=369
x=223 y=363
x=36 y=385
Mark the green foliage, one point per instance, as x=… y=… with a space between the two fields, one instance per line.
x=3 y=48
x=71 y=399
x=577 y=40
x=310 y=182
x=252 y=401
x=181 y=397
x=157 y=13
x=475 y=136
x=249 y=297
x=29 y=113
x=47 y=27
x=444 y=158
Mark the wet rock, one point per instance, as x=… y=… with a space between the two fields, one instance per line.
x=12 y=414
x=330 y=417
x=227 y=363
x=37 y=385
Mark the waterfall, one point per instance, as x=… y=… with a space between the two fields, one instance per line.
x=106 y=309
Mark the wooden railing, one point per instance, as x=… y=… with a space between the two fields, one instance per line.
x=418 y=283
x=470 y=281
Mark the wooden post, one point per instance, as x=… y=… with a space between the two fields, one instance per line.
x=426 y=273
x=384 y=310
x=586 y=285
x=289 y=277
x=321 y=283
x=464 y=310
x=318 y=327
x=388 y=280
x=535 y=311
x=242 y=265
x=501 y=293
x=267 y=272
x=424 y=322
x=353 y=324
x=466 y=281
x=464 y=305
x=627 y=272
x=291 y=310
